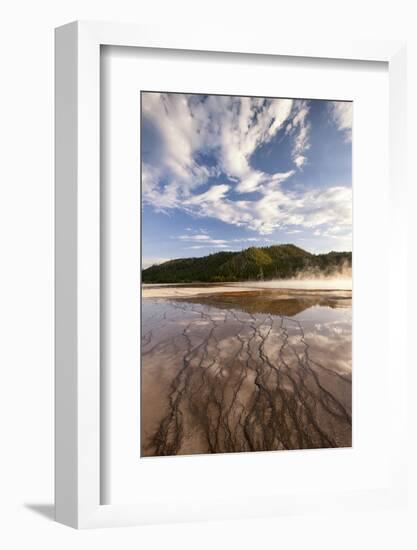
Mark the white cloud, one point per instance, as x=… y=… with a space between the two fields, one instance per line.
x=341 y=113
x=215 y=193
x=276 y=208
x=252 y=240
x=230 y=130
x=194 y=237
x=256 y=180
x=171 y=116
x=231 y=127
x=206 y=239
x=299 y=128
x=247 y=124
x=199 y=246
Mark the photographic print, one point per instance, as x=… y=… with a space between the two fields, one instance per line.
x=246 y=298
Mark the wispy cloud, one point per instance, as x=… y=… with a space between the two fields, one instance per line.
x=277 y=208
x=300 y=128
x=200 y=246
x=228 y=131
x=204 y=240
x=341 y=115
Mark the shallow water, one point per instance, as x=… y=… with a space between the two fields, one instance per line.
x=253 y=371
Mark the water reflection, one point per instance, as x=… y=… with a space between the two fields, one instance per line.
x=264 y=370
x=274 y=302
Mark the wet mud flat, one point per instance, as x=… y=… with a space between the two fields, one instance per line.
x=246 y=371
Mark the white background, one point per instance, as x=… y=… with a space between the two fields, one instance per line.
x=26 y=301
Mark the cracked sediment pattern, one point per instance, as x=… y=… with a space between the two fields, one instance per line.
x=246 y=373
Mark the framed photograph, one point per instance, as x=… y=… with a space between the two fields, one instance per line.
x=230 y=334
x=246 y=336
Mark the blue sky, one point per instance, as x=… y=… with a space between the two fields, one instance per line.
x=226 y=173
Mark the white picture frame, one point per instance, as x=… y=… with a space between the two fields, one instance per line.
x=77 y=394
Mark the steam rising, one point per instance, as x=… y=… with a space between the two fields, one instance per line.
x=339 y=278
x=323 y=283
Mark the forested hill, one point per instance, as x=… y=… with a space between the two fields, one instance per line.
x=272 y=262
